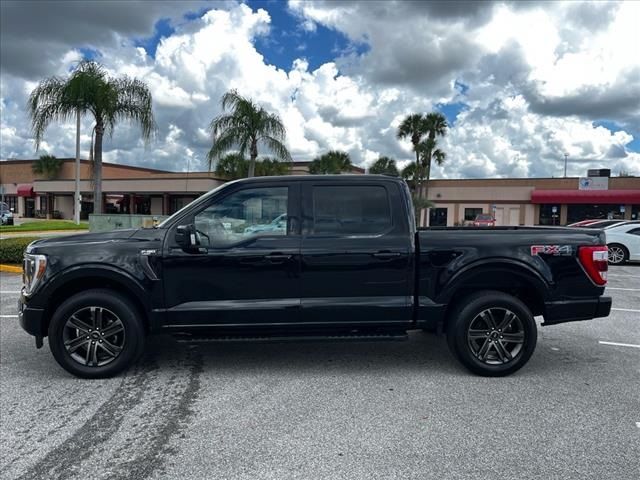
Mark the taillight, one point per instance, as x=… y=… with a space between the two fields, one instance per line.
x=595 y=261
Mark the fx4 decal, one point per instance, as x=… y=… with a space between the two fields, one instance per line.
x=560 y=250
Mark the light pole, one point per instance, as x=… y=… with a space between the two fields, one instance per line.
x=565 y=164
x=77 y=203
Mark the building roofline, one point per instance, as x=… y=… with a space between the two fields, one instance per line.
x=14 y=161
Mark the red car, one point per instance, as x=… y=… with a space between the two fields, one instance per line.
x=484 y=220
x=583 y=223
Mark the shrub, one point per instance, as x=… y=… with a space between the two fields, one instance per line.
x=12 y=249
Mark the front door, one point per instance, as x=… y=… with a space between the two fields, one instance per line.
x=355 y=256
x=246 y=271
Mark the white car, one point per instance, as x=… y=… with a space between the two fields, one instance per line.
x=623 y=242
x=6 y=214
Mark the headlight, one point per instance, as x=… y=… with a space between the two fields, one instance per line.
x=33 y=271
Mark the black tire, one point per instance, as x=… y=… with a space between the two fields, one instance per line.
x=618 y=254
x=482 y=349
x=108 y=348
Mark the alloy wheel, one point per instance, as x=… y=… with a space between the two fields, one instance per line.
x=496 y=336
x=616 y=255
x=93 y=336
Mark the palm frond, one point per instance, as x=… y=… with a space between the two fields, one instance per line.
x=130 y=99
x=277 y=148
x=222 y=144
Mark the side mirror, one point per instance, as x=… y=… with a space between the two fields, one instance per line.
x=186 y=237
x=11 y=209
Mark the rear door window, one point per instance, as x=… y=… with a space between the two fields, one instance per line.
x=351 y=210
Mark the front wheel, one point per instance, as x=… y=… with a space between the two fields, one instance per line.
x=96 y=334
x=492 y=334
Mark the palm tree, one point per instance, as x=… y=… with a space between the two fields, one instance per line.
x=89 y=90
x=428 y=151
x=246 y=126
x=268 y=167
x=48 y=166
x=385 y=166
x=414 y=128
x=409 y=172
x=232 y=166
x=333 y=162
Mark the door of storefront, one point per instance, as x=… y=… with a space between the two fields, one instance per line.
x=438 y=217
x=29 y=207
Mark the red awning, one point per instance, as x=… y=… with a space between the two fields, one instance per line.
x=596 y=197
x=25 y=190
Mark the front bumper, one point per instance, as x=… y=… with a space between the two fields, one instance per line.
x=32 y=320
x=576 y=310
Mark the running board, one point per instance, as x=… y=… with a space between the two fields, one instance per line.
x=374 y=337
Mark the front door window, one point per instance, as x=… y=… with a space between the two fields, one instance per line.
x=243 y=215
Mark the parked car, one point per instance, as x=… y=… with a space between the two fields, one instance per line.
x=278 y=224
x=603 y=224
x=350 y=265
x=6 y=214
x=623 y=242
x=484 y=220
x=583 y=223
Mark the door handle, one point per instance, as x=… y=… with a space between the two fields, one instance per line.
x=277 y=257
x=386 y=255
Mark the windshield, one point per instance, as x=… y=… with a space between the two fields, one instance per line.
x=484 y=217
x=200 y=199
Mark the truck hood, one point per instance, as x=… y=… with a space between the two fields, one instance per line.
x=82 y=238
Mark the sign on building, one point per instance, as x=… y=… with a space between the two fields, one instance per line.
x=593 y=183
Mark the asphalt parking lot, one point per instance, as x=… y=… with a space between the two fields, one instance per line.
x=330 y=411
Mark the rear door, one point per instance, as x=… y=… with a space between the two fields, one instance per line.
x=356 y=255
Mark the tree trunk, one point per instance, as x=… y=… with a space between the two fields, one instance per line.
x=254 y=156
x=97 y=169
x=418 y=178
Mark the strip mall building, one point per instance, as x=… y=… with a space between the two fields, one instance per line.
x=137 y=190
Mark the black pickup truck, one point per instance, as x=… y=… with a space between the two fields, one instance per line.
x=308 y=257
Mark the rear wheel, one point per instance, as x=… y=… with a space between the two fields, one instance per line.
x=96 y=334
x=618 y=254
x=492 y=334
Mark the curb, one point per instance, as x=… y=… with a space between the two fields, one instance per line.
x=10 y=268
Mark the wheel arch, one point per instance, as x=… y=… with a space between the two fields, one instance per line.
x=512 y=278
x=77 y=279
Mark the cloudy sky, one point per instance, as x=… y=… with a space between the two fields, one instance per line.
x=520 y=83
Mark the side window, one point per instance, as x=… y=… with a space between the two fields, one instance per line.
x=350 y=210
x=635 y=231
x=470 y=214
x=243 y=214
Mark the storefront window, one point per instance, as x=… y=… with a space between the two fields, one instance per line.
x=12 y=202
x=470 y=214
x=576 y=213
x=549 y=215
x=635 y=212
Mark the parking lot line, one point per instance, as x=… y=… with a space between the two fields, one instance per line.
x=626 y=289
x=616 y=344
x=625 y=310
x=8 y=291
x=8 y=316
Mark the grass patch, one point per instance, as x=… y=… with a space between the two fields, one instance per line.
x=44 y=226
x=12 y=249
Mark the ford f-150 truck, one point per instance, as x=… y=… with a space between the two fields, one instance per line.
x=346 y=262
